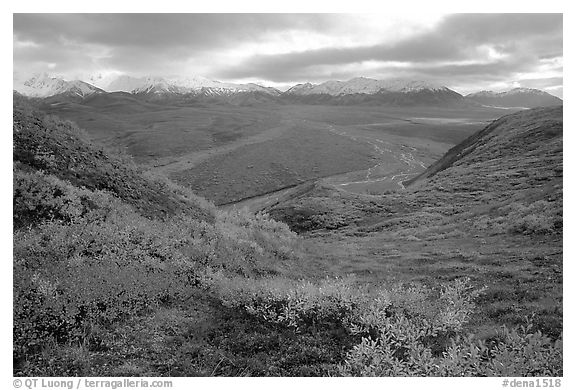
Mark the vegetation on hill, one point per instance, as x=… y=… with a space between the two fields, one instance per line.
x=58 y=148
x=120 y=274
x=491 y=209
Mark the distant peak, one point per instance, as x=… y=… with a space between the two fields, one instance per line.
x=364 y=85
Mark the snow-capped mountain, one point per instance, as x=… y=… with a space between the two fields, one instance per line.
x=42 y=85
x=175 y=85
x=363 y=85
x=359 y=90
x=517 y=97
x=363 y=90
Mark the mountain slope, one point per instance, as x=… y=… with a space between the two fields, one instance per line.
x=517 y=97
x=512 y=168
x=529 y=142
x=58 y=148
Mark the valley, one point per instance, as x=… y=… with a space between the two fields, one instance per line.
x=230 y=153
x=338 y=175
x=372 y=198
x=288 y=195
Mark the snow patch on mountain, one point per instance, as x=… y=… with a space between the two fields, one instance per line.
x=44 y=85
x=177 y=85
x=363 y=85
x=515 y=91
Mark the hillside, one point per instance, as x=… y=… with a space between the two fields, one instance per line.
x=419 y=97
x=516 y=142
x=120 y=274
x=491 y=209
x=59 y=148
x=517 y=156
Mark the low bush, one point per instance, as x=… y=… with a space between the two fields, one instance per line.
x=87 y=258
x=403 y=331
x=69 y=276
x=400 y=350
x=540 y=217
x=298 y=305
x=38 y=197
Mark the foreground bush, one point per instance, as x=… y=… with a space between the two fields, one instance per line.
x=295 y=304
x=413 y=331
x=68 y=277
x=84 y=258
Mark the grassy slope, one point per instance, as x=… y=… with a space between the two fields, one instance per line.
x=58 y=148
x=157 y=134
x=490 y=209
x=298 y=155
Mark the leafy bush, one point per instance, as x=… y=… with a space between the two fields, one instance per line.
x=254 y=244
x=91 y=259
x=38 y=197
x=399 y=350
x=403 y=331
x=295 y=304
x=68 y=276
x=540 y=217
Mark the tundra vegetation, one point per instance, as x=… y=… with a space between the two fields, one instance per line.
x=120 y=273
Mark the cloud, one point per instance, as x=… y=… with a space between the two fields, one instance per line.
x=458 y=37
x=148 y=42
x=159 y=31
x=457 y=49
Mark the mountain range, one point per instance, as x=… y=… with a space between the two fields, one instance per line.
x=359 y=90
x=517 y=97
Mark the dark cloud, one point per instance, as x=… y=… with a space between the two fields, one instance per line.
x=148 y=42
x=459 y=49
x=458 y=37
x=158 y=31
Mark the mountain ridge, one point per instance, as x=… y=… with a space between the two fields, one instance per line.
x=358 y=90
x=516 y=97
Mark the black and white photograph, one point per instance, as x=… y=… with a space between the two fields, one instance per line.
x=374 y=194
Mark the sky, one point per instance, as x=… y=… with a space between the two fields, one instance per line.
x=465 y=52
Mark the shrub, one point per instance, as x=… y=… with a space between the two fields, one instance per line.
x=294 y=304
x=68 y=276
x=402 y=331
x=410 y=340
x=516 y=352
x=38 y=197
x=256 y=239
x=540 y=217
x=90 y=259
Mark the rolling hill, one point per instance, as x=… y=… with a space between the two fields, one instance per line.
x=517 y=158
x=490 y=209
x=60 y=149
